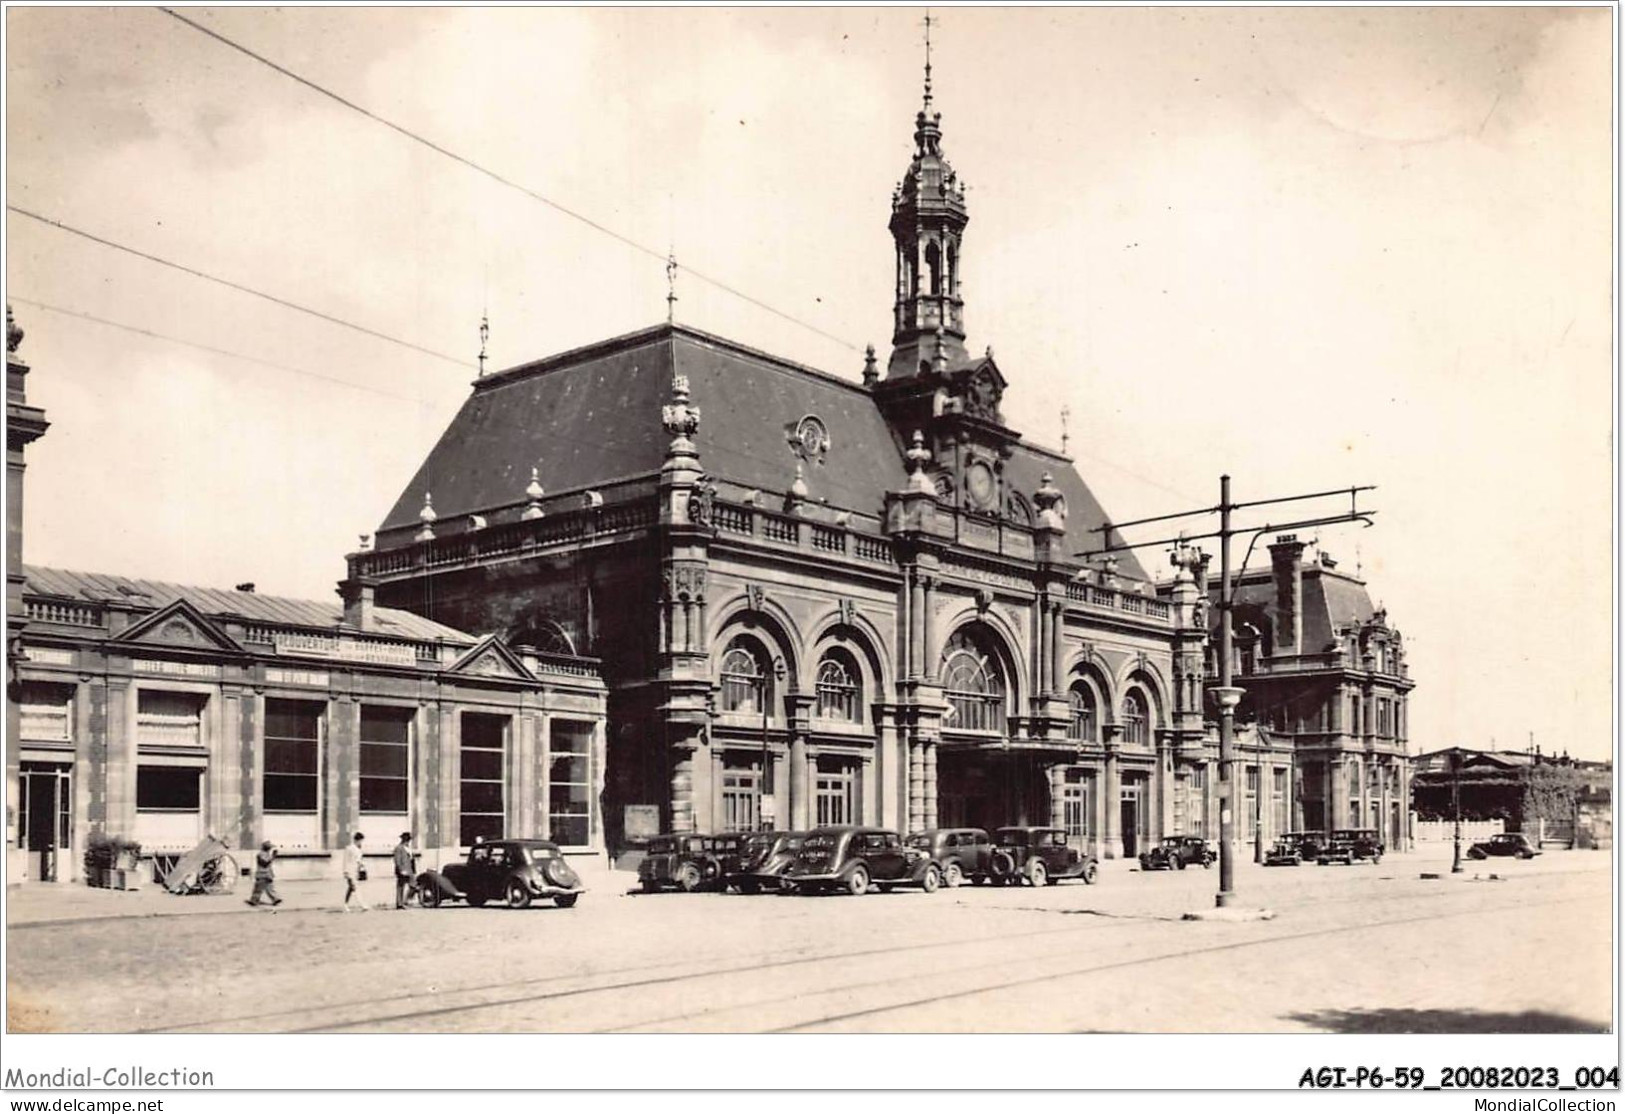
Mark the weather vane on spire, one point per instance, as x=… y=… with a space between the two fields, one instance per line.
x=928 y=58
x=485 y=334
x=671 y=288
x=1066 y=412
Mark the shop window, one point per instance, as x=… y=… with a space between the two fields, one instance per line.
x=840 y=695
x=386 y=760
x=1084 y=726
x=293 y=770
x=169 y=719
x=46 y=713
x=973 y=684
x=482 y=773
x=832 y=793
x=569 y=786
x=168 y=788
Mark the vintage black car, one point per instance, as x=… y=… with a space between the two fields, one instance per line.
x=1504 y=845
x=856 y=860
x=1039 y=857
x=959 y=853
x=1292 y=848
x=1178 y=852
x=513 y=870
x=1350 y=844
x=759 y=861
x=685 y=861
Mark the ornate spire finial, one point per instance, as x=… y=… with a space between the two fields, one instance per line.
x=928 y=60
x=1066 y=412
x=427 y=517
x=14 y=332
x=918 y=456
x=533 y=493
x=485 y=335
x=871 y=373
x=680 y=419
x=1050 y=503
x=671 y=288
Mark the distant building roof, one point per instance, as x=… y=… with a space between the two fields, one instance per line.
x=591 y=416
x=155 y=594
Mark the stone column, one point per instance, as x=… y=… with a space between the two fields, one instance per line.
x=451 y=778
x=121 y=759
x=1338 y=799
x=868 y=800
x=916 y=634
x=682 y=785
x=929 y=760
x=1042 y=655
x=1384 y=836
x=1057 y=795
x=1058 y=649
x=1111 y=797
x=916 y=786
x=928 y=606
x=800 y=794
x=521 y=816
x=226 y=805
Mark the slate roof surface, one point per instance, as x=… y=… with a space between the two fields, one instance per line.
x=156 y=594
x=1330 y=600
x=591 y=416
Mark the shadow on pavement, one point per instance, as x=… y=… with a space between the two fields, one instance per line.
x=1444 y=1021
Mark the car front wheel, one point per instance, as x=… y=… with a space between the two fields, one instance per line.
x=1181 y=864
x=428 y=894
x=931 y=880
x=564 y=901
x=518 y=895
x=857 y=883
x=1090 y=873
x=1036 y=874
x=689 y=878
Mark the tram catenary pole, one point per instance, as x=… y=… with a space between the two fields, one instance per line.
x=1226 y=693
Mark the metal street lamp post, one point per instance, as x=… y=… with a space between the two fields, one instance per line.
x=776 y=673
x=1455 y=804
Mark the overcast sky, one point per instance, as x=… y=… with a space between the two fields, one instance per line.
x=1311 y=248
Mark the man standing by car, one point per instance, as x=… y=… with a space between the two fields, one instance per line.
x=403 y=870
x=354 y=872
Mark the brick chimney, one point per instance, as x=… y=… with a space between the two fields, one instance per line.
x=1286 y=557
x=357 y=594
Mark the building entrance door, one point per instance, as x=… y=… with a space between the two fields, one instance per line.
x=47 y=803
x=1129 y=817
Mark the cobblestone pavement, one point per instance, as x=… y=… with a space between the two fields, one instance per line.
x=1351 y=949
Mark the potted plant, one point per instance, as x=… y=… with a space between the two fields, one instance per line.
x=99 y=858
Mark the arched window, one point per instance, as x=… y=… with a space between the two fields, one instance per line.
x=973 y=684
x=953 y=270
x=1136 y=719
x=745 y=686
x=1085 y=724
x=840 y=694
x=933 y=264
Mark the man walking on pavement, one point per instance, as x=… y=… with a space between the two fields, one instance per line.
x=265 y=875
x=403 y=870
x=354 y=872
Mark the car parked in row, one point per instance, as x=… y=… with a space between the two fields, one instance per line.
x=960 y=853
x=1292 y=848
x=1178 y=852
x=684 y=861
x=1039 y=857
x=1504 y=845
x=1348 y=845
x=856 y=859
x=513 y=870
x=760 y=860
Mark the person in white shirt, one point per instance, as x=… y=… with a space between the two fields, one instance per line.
x=354 y=872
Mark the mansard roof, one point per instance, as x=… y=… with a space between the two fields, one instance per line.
x=1330 y=600
x=158 y=595
x=591 y=416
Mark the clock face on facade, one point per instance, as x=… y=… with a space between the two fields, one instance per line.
x=979 y=485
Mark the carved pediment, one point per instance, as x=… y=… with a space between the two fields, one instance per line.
x=183 y=626
x=490 y=657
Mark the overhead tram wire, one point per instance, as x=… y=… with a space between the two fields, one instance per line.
x=216 y=351
x=195 y=273
x=463 y=160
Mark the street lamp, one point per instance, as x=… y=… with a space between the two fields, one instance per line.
x=776 y=673
x=1455 y=804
